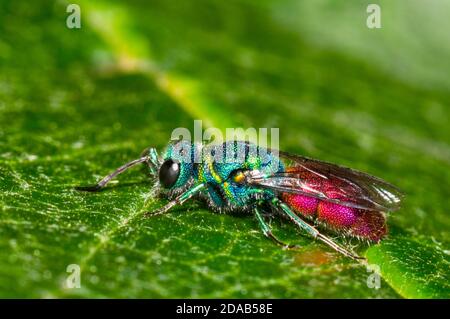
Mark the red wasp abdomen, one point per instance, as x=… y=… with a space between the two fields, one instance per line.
x=352 y=221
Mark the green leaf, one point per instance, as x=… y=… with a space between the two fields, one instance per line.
x=414 y=269
x=77 y=103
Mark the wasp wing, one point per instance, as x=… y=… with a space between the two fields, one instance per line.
x=330 y=182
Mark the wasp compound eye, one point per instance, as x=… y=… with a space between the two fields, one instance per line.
x=168 y=173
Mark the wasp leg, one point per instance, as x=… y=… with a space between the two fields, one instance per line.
x=311 y=230
x=268 y=232
x=177 y=201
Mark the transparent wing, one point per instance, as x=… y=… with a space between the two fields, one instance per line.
x=330 y=182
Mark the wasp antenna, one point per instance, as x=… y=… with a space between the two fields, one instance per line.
x=106 y=179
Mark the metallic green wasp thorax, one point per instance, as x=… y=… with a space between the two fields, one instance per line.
x=218 y=167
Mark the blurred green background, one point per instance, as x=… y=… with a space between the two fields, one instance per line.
x=77 y=103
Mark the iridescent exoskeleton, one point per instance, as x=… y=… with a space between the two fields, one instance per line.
x=241 y=176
